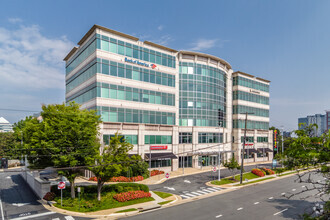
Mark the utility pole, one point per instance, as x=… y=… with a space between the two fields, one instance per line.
x=282 y=147
x=150 y=161
x=243 y=149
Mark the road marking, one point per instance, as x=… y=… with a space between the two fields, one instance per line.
x=214 y=190
x=191 y=195
x=55 y=219
x=256 y=203
x=187 y=181
x=202 y=192
x=69 y=217
x=169 y=188
x=282 y=194
x=34 y=216
x=20 y=204
x=293 y=189
x=218 y=216
x=187 y=197
x=8 y=177
x=270 y=197
x=2 y=216
x=209 y=191
x=280 y=211
x=239 y=208
x=196 y=193
x=303 y=186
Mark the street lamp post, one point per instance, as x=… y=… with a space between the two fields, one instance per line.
x=282 y=147
x=243 y=149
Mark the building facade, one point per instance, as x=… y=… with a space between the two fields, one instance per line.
x=318 y=119
x=5 y=126
x=175 y=107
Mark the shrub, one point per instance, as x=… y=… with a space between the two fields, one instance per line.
x=258 y=172
x=50 y=196
x=131 y=195
x=156 y=172
x=268 y=171
x=93 y=178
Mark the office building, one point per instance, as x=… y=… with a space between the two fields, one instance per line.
x=173 y=106
x=5 y=126
x=318 y=119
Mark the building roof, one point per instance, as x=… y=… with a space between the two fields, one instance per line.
x=3 y=121
x=248 y=75
x=207 y=56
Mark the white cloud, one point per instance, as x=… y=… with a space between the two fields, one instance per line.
x=31 y=60
x=160 y=27
x=163 y=40
x=15 y=20
x=204 y=44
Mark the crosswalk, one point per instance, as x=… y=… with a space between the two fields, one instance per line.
x=202 y=191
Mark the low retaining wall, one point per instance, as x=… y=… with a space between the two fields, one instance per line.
x=40 y=187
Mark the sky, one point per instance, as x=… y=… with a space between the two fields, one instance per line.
x=286 y=42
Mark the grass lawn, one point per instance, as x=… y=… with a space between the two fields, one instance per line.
x=256 y=181
x=165 y=202
x=223 y=181
x=127 y=210
x=248 y=176
x=288 y=173
x=162 y=195
x=89 y=203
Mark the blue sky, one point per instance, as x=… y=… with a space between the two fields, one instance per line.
x=286 y=42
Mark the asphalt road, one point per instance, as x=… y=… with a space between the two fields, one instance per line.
x=17 y=201
x=256 y=202
x=186 y=186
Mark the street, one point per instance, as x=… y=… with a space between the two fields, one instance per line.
x=18 y=202
x=257 y=202
x=194 y=185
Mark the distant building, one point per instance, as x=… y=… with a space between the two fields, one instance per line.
x=327 y=115
x=286 y=134
x=318 y=119
x=5 y=126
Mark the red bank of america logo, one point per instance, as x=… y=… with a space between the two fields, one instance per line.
x=153 y=66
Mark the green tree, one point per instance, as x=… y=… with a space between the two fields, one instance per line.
x=110 y=161
x=65 y=137
x=232 y=166
x=7 y=145
x=139 y=167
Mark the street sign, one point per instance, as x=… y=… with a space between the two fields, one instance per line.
x=214 y=169
x=274 y=163
x=167 y=175
x=61 y=185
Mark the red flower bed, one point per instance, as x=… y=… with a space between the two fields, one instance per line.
x=268 y=171
x=156 y=172
x=121 y=179
x=127 y=196
x=257 y=172
x=126 y=179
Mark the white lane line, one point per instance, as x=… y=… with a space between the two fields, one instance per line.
x=196 y=193
x=218 y=216
x=256 y=203
x=2 y=215
x=303 y=186
x=239 y=208
x=215 y=190
x=33 y=216
x=69 y=217
x=187 y=197
x=293 y=190
x=191 y=195
x=282 y=194
x=201 y=192
x=55 y=219
x=270 y=197
x=207 y=191
x=280 y=211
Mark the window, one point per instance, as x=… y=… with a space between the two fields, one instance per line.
x=204 y=138
x=185 y=138
x=157 y=139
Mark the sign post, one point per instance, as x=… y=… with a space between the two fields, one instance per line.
x=61 y=186
x=78 y=189
x=167 y=175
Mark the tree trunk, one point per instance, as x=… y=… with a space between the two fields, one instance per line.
x=73 y=194
x=99 y=188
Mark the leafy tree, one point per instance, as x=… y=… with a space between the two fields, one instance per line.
x=232 y=166
x=66 y=137
x=139 y=167
x=110 y=161
x=7 y=145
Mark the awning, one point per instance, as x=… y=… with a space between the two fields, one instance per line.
x=160 y=156
x=251 y=150
x=265 y=150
